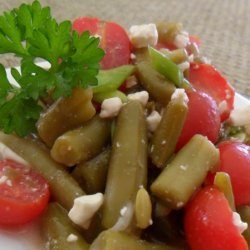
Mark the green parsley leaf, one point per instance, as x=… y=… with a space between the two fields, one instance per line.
x=31 y=33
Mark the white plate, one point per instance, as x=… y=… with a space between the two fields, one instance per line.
x=27 y=237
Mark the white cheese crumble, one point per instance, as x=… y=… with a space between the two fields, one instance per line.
x=184 y=66
x=125 y=219
x=153 y=121
x=222 y=106
x=181 y=40
x=72 y=238
x=123 y=211
x=132 y=56
x=9 y=183
x=191 y=58
x=143 y=35
x=131 y=82
x=3 y=179
x=84 y=209
x=7 y=153
x=242 y=226
x=180 y=94
x=110 y=107
x=141 y=96
x=183 y=167
x=240 y=116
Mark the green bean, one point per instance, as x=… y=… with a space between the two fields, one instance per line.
x=166 y=67
x=83 y=143
x=167 y=134
x=113 y=240
x=95 y=228
x=177 y=55
x=244 y=212
x=167 y=31
x=159 y=88
x=111 y=79
x=58 y=230
x=91 y=175
x=186 y=172
x=66 y=114
x=100 y=97
x=63 y=187
x=128 y=163
x=141 y=55
x=223 y=182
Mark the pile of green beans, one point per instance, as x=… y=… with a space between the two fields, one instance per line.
x=80 y=153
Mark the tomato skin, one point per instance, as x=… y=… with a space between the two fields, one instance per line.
x=208 y=223
x=202 y=118
x=83 y=24
x=235 y=160
x=113 y=40
x=24 y=197
x=206 y=78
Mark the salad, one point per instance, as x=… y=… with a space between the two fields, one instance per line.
x=124 y=140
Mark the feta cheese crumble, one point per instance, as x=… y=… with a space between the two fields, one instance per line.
x=242 y=226
x=131 y=82
x=143 y=35
x=84 y=209
x=180 y=94
x=72 y=238
x=184 y=66
x=240 y=117
x=110 y=107
x=141 y=96
x=181 y=40
x=153 y=121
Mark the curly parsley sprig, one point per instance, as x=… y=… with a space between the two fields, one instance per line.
x=30 y=32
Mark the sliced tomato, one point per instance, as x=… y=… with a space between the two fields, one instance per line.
x=202 y=118
x=235 y=160
x=23 y=193
x=86 y=23
x=208 y=223
x=206 y=78
x=114 y=40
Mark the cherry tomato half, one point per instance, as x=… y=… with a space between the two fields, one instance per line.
x=203 y=118
x=113 y=40
x=206 y=78
x=23 y=193
x=208 y=222
x=235 y=160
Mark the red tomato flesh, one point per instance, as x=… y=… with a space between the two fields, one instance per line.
x=113 y=40
x=83 y=24
x=208 y=223
x=206 y=78
x=203 y=118
x=235 y=160
x=23 y=193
